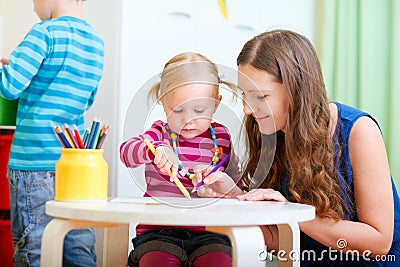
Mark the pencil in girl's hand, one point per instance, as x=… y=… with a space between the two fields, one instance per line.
x=150 y=146
x=176 y=180
x=222 y=162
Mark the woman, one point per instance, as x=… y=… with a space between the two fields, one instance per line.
x=303 y=148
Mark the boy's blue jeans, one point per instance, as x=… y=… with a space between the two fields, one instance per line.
x=29 y=191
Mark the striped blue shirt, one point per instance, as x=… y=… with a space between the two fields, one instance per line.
x=54 y=72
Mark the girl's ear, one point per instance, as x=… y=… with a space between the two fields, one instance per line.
x=218 y=102
x=163 y=104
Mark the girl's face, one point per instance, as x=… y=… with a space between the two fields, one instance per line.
x=189 y=108
x=263 y=98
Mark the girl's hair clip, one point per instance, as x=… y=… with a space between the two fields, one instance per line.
x=220 y=78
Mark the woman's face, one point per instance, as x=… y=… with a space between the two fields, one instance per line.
x=263 y=98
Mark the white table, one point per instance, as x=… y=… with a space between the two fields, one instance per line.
x=237 y=219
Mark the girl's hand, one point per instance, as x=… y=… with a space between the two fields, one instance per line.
x=218 y=184
x=166 y=160
x=263 y=194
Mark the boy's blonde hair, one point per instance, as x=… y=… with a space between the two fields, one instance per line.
x=187 y=68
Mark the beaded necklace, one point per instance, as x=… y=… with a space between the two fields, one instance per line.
x=217 y=150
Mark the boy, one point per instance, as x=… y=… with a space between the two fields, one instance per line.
x=54 y=72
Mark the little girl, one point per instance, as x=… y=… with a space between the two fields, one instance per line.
x=189 y=94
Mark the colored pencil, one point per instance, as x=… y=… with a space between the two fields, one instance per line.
x=58 y=136
x=103 y=136
x=86 y=136
x=91 y=133
x=93 y=137
x=69 y=138
x=71 y=135
x=176 y=180
x=222 y=162
x=78 y=137
x=64 y=139
x=96 y=138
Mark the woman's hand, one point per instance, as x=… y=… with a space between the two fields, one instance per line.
x=217 y=184
x=200 y=171
x=263 y=194
x=166 y=160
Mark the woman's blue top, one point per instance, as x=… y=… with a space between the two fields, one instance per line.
x=316 y=254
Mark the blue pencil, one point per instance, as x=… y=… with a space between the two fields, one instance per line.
x=93 y=133
x=222 y=162
x=61 y=135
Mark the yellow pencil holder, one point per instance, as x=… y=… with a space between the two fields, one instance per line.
x=81 y=175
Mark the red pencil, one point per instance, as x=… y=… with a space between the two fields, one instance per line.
x=78 y=137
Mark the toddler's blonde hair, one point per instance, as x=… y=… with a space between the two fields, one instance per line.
x=187 y=68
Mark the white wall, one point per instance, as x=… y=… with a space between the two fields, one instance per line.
x=18 y=17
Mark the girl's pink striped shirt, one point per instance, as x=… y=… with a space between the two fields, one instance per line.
x=192 y=152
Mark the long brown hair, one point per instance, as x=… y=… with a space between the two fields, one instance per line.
x=305 y=153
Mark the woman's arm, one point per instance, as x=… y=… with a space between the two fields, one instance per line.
x=217 y=184
x=373 y=197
